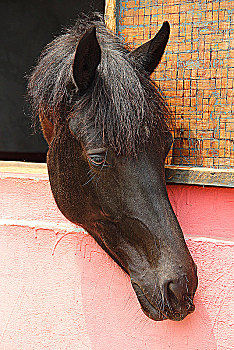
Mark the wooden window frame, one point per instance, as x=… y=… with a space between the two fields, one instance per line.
x=174 y=174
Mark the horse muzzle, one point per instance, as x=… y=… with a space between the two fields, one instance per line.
x=172 y=301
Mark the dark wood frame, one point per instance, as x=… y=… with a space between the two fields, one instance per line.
x=200 y=176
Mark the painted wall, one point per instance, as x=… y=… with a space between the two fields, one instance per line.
x=59 y=290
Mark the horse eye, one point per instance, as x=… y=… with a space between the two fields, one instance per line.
x=98 y=159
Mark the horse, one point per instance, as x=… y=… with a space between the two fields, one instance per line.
x=105 y=123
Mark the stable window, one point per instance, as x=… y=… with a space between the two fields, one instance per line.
x=26 y=27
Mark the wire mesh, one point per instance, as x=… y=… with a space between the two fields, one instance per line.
x=196 y=73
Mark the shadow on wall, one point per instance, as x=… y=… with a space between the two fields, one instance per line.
x=187 y=151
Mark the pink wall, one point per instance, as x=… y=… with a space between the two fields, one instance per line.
x=78 y=298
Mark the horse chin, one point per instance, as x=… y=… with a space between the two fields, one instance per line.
x=149 y=310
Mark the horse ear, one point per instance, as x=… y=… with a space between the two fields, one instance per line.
x=87 y=58
x=150 y=53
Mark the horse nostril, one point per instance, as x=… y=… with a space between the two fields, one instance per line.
x=177 y=298
x=178 y=291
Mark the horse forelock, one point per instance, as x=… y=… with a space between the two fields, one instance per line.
x=122 y=102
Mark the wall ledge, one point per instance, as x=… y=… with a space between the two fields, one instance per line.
x=69 y=228
x=23 y=167
x=59 y=227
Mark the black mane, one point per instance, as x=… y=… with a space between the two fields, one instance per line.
x=122 y=102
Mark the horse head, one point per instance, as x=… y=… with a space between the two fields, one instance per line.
x=108 y=141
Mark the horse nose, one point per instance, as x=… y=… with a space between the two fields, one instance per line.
x=178 y=300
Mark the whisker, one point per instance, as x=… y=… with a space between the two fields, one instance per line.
x=87 y=182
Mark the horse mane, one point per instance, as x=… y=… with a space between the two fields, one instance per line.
x=122 y=101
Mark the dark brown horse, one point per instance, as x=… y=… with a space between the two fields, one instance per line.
x=105 y=123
